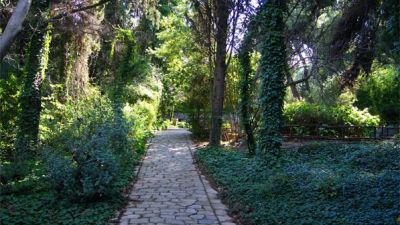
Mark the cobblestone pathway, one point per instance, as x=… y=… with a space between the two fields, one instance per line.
x=170 y=190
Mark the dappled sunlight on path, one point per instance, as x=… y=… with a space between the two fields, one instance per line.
x=170 y=190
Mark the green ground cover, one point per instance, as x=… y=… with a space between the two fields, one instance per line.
x=316 y=184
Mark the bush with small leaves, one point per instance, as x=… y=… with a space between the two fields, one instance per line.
x=85 y=156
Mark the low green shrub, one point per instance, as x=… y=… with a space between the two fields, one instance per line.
x=380 y=92
x=45 y=207
x=397 y=137
x=88 y=152
x=19 y=178
x=162 y=124
x=182 y=124
x=302 y=113
x=91 y=148
x=316 y=184
x=88 y=172
x=12 y=171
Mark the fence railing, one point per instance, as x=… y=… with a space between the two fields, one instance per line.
x=322 y=131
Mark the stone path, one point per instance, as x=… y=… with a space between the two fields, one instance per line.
x=170 y=190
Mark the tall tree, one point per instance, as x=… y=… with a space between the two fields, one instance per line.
x=358 y=24
x=244 y=106
x=83 y=28
x=273 y=64
x=30 y=100
x=222 y=9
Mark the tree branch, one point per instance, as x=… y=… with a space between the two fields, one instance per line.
x=64 y=14
x=299 y=81
x=14 y=26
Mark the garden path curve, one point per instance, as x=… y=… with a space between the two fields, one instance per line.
x=170 y=189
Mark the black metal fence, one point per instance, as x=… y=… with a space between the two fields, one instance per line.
x=317 y=131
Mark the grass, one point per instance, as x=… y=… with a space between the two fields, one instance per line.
x=317 y=184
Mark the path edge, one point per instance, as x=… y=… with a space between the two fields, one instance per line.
x=117 y=219
x=210 y=190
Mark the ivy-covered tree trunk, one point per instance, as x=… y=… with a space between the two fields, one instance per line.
x=84 y=31
x=77 y=81
x=222 y=15
x=273 y=72
x=30 y=100
x=244 y=59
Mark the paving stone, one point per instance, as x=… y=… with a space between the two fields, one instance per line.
x=205 y=221
x=224 y=218
x=157 y=220
x=220 y=212
x=169 y=190
x=124 y=222
x=139 y=221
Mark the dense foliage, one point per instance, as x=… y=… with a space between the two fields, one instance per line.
x=89 y=157
x=303 y=113
x=316 y=184
x=380 y=93
x=78 y=105
x=85 y=82
x=39 y=209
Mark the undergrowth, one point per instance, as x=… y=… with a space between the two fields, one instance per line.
x=84 y=163
x=317 y=184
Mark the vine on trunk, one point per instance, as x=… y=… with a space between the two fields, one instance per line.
x=274 y=67
x=244 y=106
x=35 y=70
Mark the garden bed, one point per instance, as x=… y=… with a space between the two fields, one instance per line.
x=316 y=184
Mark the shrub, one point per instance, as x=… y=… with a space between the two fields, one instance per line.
x=380 y=92
x=182 y=124
x=91 y=148
x=162 y=124
x=299 y=113
x=9 y=110
x=89 y=170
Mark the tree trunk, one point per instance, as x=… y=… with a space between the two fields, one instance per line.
x=77 y=81
x=222 y=15
x=293 y=87
x=30 y=100
x=274 y=68
x=84 y=38
x=14 y=26
x=244 y=59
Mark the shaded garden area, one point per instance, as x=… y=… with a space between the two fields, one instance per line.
x=314 y=184
x=84 y=84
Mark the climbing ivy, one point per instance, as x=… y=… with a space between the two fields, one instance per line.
x=273 y=66
x=35 y=70
x=244 y=105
